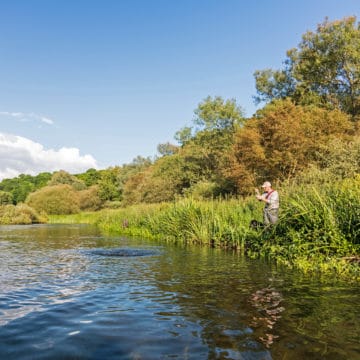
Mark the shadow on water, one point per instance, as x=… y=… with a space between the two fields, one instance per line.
x=123 y=252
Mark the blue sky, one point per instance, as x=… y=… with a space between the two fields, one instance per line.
x=111 y=80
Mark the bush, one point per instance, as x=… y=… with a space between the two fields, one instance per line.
x=89 y=199
x=20 y=214
x=58 y=199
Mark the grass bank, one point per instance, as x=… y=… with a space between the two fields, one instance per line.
x=318 y=230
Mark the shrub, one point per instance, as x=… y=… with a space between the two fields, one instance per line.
x=20 y=214
x=58 y=199
x=89 y=199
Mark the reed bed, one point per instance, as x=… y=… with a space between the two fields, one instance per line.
x=216 y=223
x=319 y=229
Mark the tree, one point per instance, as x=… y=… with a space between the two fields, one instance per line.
x=63 y=177
x=167 y=149
x=246 y=160
x=159 y=182
x=323 y=70
x=110 y=186
x=341 y=159
x=113 y=180
x=213 y=114
x=22 y=188
x=40 y=180
x=5 y=198
x=282 y=140
x=183 y=135
x=22 y=185
x=219 y=114
x=203 y=148
x=90 y=177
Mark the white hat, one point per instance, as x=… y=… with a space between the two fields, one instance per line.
x=266 y=184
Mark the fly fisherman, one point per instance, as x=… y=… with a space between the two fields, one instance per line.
x=271 y=199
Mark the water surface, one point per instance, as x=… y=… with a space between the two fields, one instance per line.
x=68 y=292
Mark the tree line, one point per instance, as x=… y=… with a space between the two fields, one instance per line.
x=307 y=131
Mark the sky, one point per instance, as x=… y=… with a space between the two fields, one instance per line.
x=96 y=83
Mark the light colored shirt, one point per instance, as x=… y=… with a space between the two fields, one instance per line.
x=272 y=200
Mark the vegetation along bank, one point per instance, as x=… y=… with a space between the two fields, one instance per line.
x=318 y=230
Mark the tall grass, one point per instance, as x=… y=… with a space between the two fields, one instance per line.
x=216 y=223
x=319 y=229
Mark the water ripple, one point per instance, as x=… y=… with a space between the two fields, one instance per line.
x=68 y=292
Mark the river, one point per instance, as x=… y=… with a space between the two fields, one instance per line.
x=70 y=292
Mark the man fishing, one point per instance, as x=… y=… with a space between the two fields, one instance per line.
x=271 y=199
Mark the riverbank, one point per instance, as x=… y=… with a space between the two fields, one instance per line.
x=318 y=230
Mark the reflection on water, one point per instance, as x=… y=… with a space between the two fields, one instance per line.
x=267 y=301
x=68 y=292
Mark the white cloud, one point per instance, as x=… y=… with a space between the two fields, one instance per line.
x=19 y=155
x=28 y=117
x=47 y=120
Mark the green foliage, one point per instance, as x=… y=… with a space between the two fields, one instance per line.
x=213 y=116
x=272 y=84
x=89 y=199
x=337 y=161
x=57 y=199
x=199 y=159
x=110 y=187
x=218 y=114
x=112 y=181
x=157 y=183
x=341 y=158
x=22 y=185
x=167 y=149
x=183 y=135
x=346 y=198
x=6 y=198
x=324 y=69
x=63 y=177
x=20 y=214
x=90 y=177
x=203 y=190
